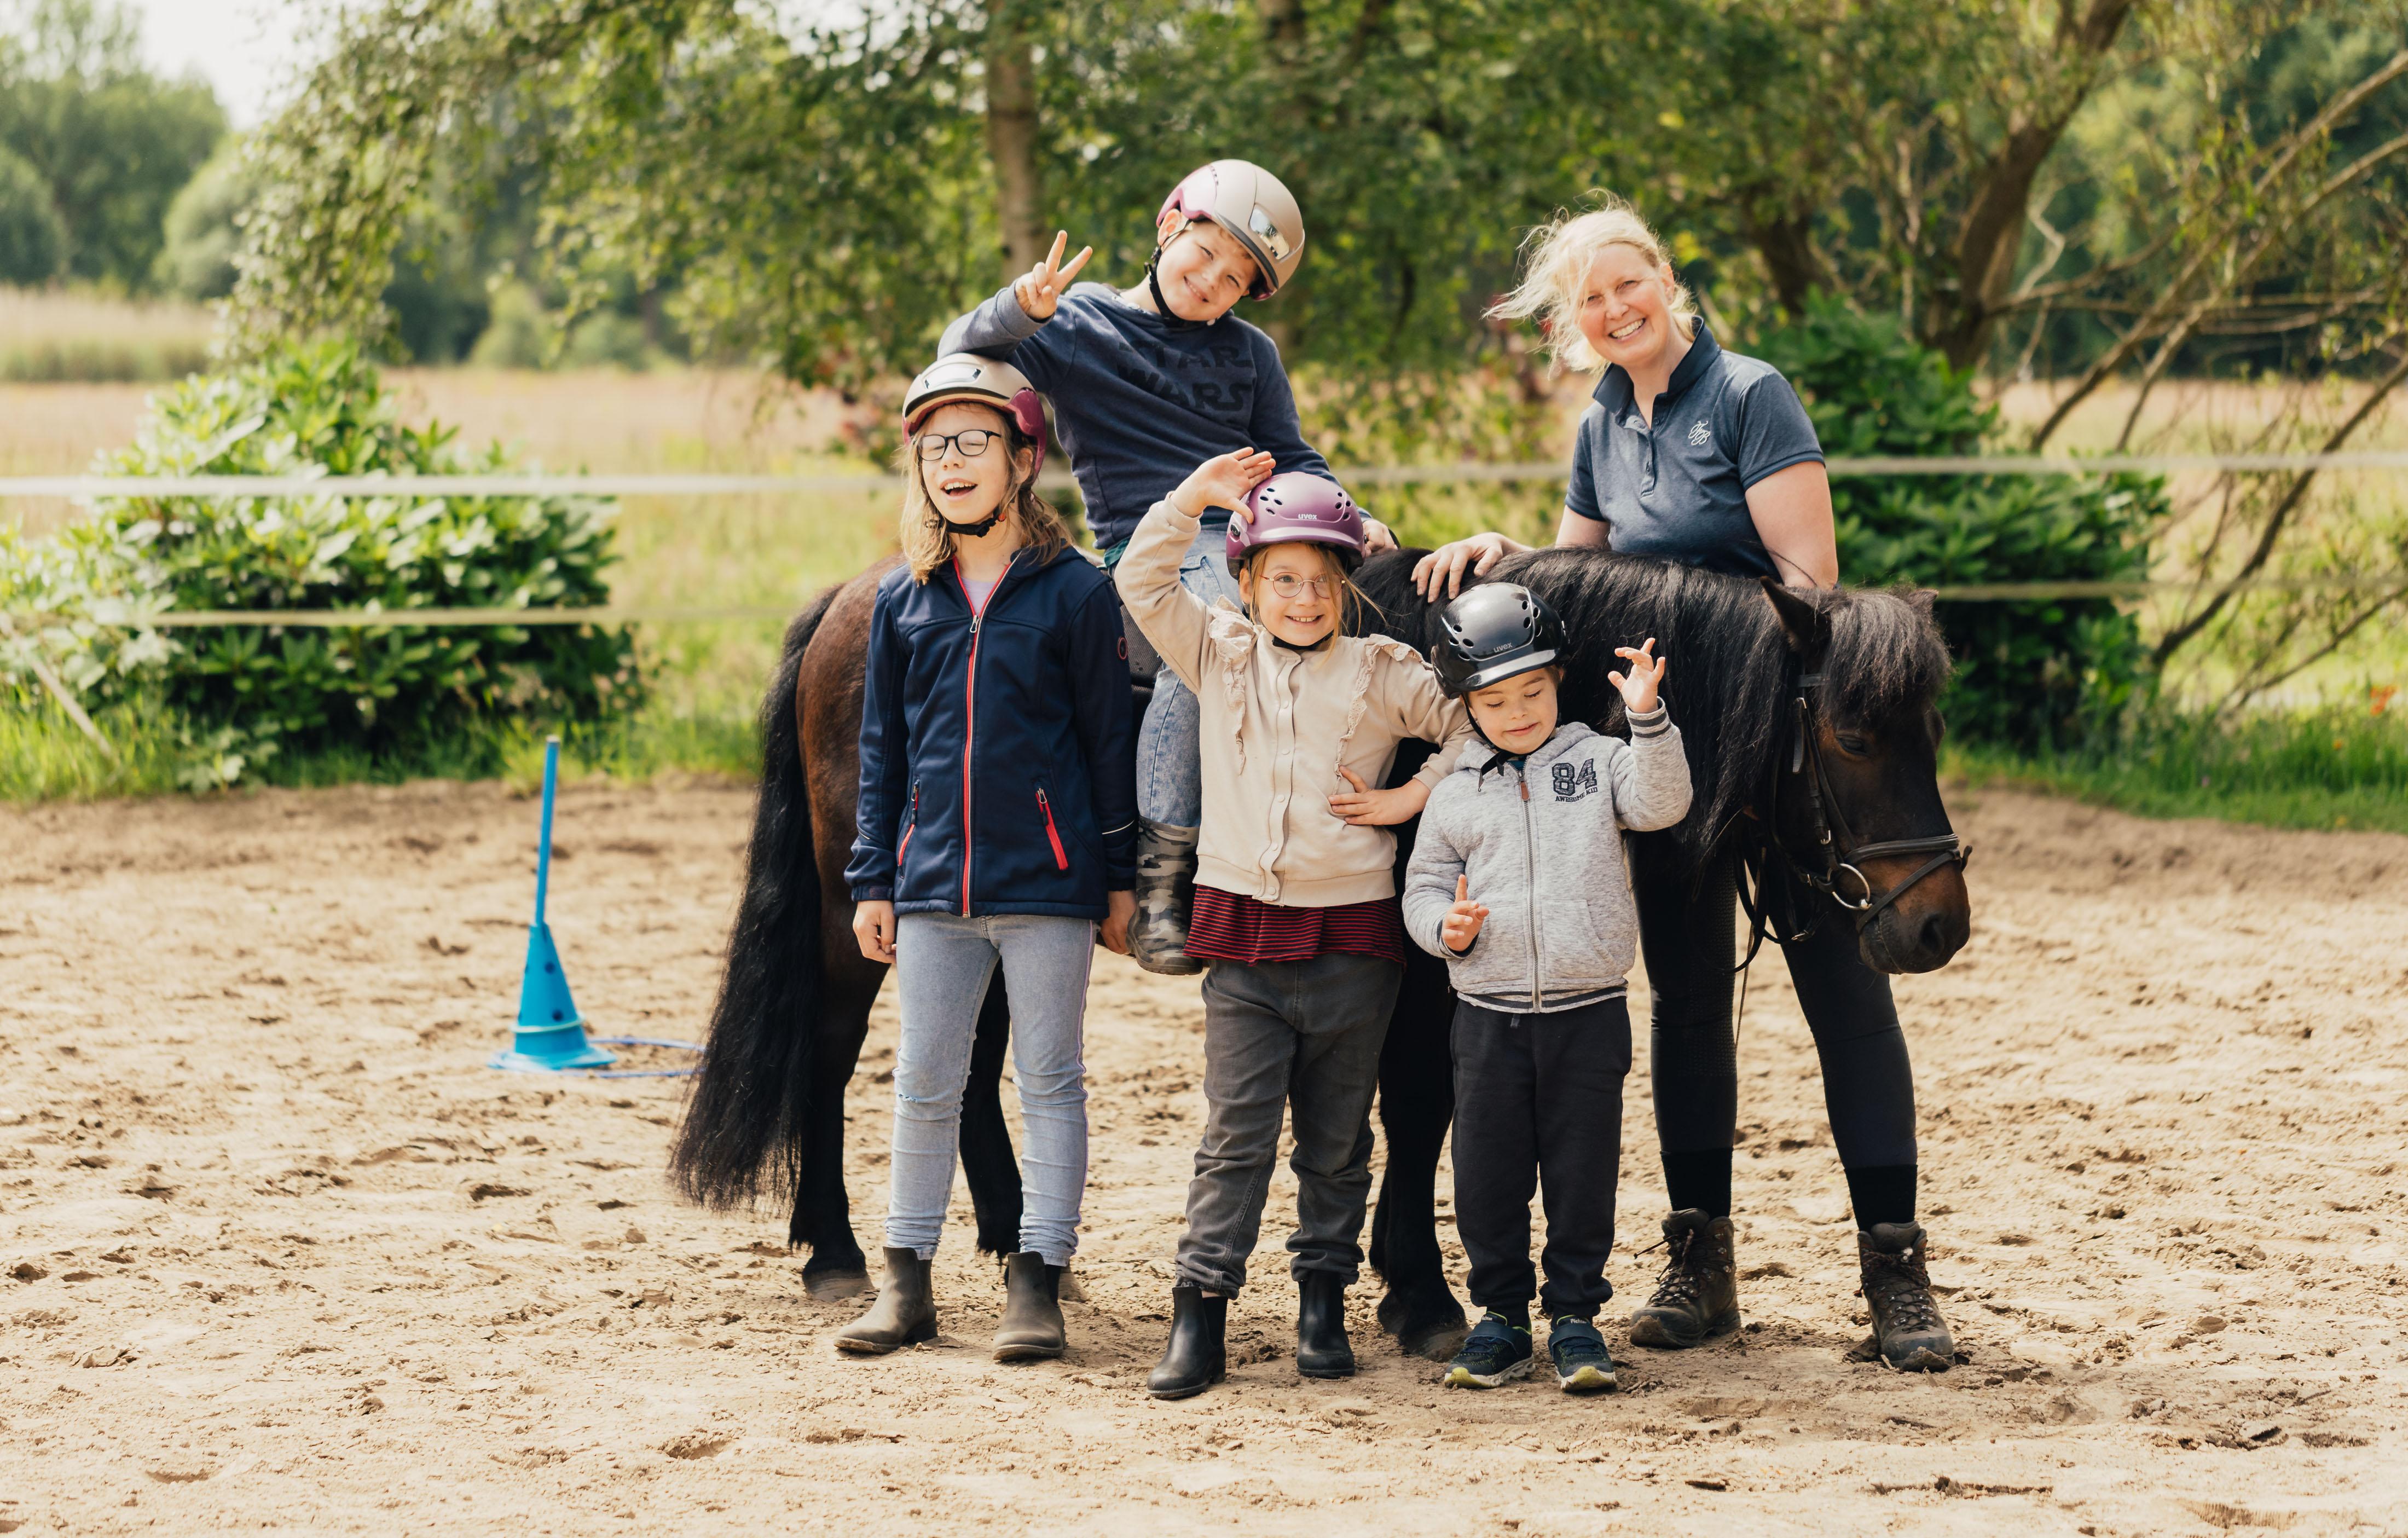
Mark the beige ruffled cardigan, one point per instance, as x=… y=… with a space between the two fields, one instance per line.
x=1276 y=724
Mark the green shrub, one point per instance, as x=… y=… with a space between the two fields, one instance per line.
x=2030 y=673
x=32 y=239
x=244 y=691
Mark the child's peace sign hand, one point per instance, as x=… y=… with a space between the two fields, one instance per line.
x=1223 y=482
x=1639 y=686
x=1040 y=289
x=1461 y=926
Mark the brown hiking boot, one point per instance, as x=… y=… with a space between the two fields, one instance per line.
x=1908 y=1330
x=1698 y=1295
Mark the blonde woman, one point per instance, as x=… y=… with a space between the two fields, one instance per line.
x=998 y=827
x=1703 y=456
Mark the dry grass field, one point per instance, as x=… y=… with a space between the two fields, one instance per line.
x=277 y=1252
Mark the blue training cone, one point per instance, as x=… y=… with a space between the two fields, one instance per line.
x=551 y=1033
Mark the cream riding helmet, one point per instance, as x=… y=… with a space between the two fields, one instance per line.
x=984 y=381
x=1255 y=206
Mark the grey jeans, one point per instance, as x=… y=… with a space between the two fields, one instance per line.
x=943 y=965
x=1169 y=758
x=1305 y=1033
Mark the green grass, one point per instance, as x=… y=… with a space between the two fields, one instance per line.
x=2335 y=768
x=44 y=757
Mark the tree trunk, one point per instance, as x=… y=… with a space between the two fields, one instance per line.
x=1785 y=244
x=1012 y=136
x=1993 y=231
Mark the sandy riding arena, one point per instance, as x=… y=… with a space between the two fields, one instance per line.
x=278 y=1251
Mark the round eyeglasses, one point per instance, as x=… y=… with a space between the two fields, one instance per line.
x=1287 y=585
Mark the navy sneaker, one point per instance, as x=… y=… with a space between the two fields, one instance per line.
x=1495 y=1353
x=1581 y=1364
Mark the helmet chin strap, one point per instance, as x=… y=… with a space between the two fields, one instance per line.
x=1171 y=319
x=980 y=529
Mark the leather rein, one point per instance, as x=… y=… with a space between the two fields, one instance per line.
x=1839 y=876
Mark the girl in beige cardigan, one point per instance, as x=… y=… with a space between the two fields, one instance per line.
x=1295 y=903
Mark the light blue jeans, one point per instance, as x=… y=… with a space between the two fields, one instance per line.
x=1170 y=770
x=943 y=965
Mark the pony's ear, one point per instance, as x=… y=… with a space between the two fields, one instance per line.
x=1801 y=623
x=1921 y=600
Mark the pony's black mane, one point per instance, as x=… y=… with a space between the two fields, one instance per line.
x=1731 y=664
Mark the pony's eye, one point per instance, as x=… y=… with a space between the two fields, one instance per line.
x=1853 y=744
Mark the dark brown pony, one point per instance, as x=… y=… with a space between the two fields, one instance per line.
x=767 y=1116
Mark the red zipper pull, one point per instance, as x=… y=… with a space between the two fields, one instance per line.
x=1061 y=856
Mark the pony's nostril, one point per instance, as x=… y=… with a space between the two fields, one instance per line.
x=1941 y=934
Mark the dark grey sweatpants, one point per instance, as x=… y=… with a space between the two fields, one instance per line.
x=1538 y=1105
x=1305 y=1033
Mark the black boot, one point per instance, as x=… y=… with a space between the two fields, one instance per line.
x=905 y=1313
x=1197 y=1356
x=1032 y=1310
x=1908 y=1330
x=1321 y=1350
x=1698 y=1295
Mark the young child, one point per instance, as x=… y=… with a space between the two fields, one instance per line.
x=1530 y=827
x=1147 y=381
x=1296 y=901
x=995 y=827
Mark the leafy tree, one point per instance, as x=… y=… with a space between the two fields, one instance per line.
x=113 y=142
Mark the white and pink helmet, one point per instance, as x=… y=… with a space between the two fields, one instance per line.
x=1254 y=205
x=986 y=382
x=1297 y=507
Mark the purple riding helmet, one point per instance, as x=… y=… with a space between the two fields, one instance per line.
x=1297 y=505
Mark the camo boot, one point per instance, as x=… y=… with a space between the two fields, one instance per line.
x=1166 y=896
x=1698 y=1295
x=1908 y=1330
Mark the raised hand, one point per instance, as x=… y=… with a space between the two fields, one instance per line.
x=1461 y=926
x=1040 y=288
x=1223 y=482
x=1646 y=673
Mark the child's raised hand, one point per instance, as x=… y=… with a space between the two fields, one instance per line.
x=1646 y=674
x=1223 y=482
x=1461 y=926
x=1040 y=288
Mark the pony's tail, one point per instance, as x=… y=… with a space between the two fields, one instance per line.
x=744 y=1133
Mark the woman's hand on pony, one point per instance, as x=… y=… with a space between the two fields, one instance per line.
x=873 y=929
x=1439 y=573
x=1646 y=673
x=1224 y=480
x=1119 y=912
x=1041 y=287
x=1463 y=920
x=1367 y=808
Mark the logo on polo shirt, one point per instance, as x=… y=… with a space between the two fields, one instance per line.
x=1700 y=434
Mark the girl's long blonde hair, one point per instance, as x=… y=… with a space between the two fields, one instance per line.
x=1558 y=256
x=930 y=541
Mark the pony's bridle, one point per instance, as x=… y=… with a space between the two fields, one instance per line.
x=1841 y=875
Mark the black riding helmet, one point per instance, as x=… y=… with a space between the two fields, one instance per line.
x=1493 y=632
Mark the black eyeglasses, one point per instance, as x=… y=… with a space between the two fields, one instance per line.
x=971 y=443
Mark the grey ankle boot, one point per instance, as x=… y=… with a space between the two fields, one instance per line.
x=1166 y=896
x=1032 y=1310
x=905 y=1313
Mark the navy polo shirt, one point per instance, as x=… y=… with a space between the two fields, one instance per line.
x=1677 y=489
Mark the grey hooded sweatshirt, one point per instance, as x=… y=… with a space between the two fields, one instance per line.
x=1540 y=839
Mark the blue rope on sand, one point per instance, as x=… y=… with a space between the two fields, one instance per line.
x=642 y=1072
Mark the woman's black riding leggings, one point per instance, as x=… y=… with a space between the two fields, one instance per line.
x=1686 y=931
